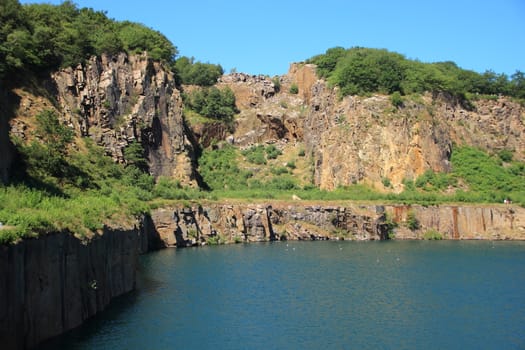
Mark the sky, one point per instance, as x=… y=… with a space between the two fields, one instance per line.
x=264 y=37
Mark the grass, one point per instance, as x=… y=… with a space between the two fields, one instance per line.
x=98 y=192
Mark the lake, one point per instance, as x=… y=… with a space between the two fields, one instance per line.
x=319 y=295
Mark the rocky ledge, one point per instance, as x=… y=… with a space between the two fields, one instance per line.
x=222 y=223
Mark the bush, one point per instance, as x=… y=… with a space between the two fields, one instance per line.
x=432 y=235
x=506 y=155
x=220 y=170
x=272 y=152
x=294 y=89
x=412 y=221
x=255 y=155
x=41 y=37
x=396 y=99
x=291 y=164
x=213 y=103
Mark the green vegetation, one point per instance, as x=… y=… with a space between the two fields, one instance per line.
x=361 y=70
x=432 y=235
x=475 y=177
x=211 y=102
x=42 y=37
x=294 y=89
x=196 y=73
x=260 y=154
x=412 y=221
x=64 y=184
x=219 y=169
x=396 y=99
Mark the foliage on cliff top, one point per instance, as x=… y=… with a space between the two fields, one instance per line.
x=40 y=37
x=362 y=70
x=197 y=73
x=211 y=102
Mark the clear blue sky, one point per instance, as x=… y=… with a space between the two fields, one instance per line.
x=264 y=37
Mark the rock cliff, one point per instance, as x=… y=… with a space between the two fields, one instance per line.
x=185 y=226
x=53 y=283
x=120 y=99
x=366 y=139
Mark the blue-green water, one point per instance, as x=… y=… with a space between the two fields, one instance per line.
x=319 y=295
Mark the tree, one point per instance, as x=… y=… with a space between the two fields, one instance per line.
x=134 y=156
x=517 y=83
x=197 y=73
x=213 y=103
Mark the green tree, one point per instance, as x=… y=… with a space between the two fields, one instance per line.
x=517 y=83
x=213 y=103
x=197 y=73
x=135 y=156
x=327 y=62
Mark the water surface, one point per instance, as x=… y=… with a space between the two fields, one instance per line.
x=319 y=295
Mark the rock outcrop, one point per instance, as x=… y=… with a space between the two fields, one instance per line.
x=120 y=99
x=365 y=139
x=460 y=222
x=53 y=283
x=186 y=226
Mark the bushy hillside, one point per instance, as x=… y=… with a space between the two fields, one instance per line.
x=361 y=70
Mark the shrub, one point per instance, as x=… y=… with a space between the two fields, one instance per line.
x=291 y=164
x=255 y=155
x=213 y=103
x=506 y=155
x=412 y=221
x=294 y=89
x=396 y=99
x=432 y=235
x=279 y=170
x=220 y=170
x=272 y=152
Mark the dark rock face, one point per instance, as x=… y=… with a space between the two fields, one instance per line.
x=52 y=284
x=5 y=143
x=117 y=100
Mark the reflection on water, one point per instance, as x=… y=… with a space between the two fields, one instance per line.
x=312 y=295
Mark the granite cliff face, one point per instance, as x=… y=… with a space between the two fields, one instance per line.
x=365 y=139
x=116 y=100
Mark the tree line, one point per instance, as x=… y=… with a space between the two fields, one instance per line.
x=363 y=70
x=40 y=37
x=43 y=37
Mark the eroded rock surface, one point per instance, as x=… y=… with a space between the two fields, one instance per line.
x=116 y=100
